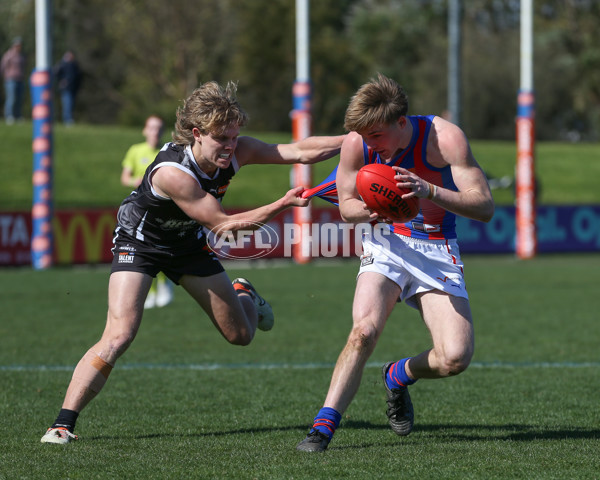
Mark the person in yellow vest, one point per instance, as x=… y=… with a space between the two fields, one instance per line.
x=137 y=159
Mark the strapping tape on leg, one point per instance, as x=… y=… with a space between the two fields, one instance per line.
x=91 y=372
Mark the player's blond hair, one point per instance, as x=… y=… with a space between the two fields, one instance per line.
x=211 y=109
x=380 y=102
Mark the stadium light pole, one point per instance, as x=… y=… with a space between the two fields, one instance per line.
x=41 y=114
x=301 y=126
x=526 y=235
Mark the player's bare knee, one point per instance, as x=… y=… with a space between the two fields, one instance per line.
x=363 y=337
x=117 y=343
x=240 y=338
x=454 y=364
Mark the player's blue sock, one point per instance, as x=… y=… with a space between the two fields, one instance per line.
x=327 y=420
x=396 y=376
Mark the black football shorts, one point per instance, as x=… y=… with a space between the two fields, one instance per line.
x=130 y=255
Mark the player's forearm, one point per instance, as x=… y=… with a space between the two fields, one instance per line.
x=316 y=149
x=470 y=204
x=352 y=210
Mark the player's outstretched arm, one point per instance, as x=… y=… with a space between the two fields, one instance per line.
x=309 y=150
x=251 y=219
x=199 y=205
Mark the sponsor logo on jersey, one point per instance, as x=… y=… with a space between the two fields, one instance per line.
x=424 y=227
x=366 y=259
x=126 y=257
x=175 y=224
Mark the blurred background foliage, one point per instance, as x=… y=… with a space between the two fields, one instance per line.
x=145 y=56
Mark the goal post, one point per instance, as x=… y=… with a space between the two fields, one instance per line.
x=302 y=126
x=526 y=235
x=41 y=100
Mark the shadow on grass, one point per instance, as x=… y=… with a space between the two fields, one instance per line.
x=472 y=432
x=439 y=432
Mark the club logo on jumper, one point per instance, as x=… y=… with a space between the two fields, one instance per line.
x=242 y=240
x=218 y=192
x=126 y=257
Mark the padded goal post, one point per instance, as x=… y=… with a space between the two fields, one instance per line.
x=301 y=174
x=526 y=232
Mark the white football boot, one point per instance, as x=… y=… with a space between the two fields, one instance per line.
x=266 y=318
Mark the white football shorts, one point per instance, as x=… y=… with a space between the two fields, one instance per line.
x=415 y=265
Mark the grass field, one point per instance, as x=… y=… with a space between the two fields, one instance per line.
x=87 y=165
x=182 y=403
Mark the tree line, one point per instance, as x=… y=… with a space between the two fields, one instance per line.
x=145 y=56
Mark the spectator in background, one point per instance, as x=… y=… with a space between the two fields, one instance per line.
x=68 y=77
x=12 y=67
x=137 y=159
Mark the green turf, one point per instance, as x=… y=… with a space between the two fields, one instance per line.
x=566 y=172
x=87 y=165
x=182 y=403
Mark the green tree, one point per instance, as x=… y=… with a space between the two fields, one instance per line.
x=404 y=40
x=263 y=61
x=568 y=69
x=335 y=71
x=141 y=57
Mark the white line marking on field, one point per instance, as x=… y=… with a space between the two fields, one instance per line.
x=277 y=366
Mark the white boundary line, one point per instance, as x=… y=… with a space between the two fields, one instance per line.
x=278 y=366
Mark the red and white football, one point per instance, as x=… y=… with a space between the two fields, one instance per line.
x=376 y=186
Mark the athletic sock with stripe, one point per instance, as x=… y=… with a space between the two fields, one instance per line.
x=396 y=376
x=326 y=421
